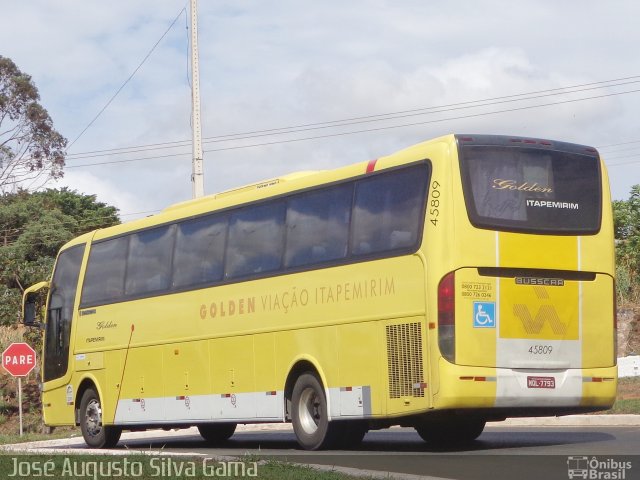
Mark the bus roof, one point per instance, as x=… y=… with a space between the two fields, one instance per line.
x=245 y=188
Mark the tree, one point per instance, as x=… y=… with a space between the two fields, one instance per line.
x=33 y=227
x=31 y=150
x=626 y=218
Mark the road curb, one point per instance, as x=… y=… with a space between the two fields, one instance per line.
x=571 y=421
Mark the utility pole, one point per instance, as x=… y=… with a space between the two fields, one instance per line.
x=197 y=174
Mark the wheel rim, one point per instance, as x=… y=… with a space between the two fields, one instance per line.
x=310 y=411
x=93 y=418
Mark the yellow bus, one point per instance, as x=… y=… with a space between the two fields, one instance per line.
x=466 y=279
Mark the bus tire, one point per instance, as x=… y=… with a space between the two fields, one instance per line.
x=451 y=432
x=309 y=414
x=217 y=432
x=96 y=434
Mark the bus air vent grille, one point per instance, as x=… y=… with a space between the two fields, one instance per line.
x=404 y=354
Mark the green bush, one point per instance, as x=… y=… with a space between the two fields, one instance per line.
x=626 y=218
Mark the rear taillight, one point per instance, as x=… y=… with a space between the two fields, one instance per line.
x=447 y=317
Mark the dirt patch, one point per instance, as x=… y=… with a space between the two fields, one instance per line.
x=31 y=406
x=629 y=388
x=633 y=343
x=629 y=330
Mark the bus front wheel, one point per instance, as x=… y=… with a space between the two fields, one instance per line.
x=451 y=432
x=96 y=434
x=309 y=414
x=216 y=432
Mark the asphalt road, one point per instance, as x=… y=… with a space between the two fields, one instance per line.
x=501 y=453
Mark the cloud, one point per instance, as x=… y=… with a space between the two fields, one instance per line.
x=267 y=65
x=105 y=191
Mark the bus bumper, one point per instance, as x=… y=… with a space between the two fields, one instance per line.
x=574 y=390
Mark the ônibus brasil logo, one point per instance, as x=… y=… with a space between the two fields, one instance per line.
x=593 y=468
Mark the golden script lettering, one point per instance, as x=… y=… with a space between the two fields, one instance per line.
x=500 y=184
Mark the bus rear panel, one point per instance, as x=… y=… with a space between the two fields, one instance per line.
x=526 y=314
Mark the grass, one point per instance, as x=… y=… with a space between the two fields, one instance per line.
x=628 y=401
x=628 y=398
x=9 y=438
x=146 y=467
x=629 y=406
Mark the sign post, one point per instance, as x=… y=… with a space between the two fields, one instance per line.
x=19 y=359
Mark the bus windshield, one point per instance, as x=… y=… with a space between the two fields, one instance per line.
x=528 y=189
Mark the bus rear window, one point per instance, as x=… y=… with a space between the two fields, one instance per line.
x=531 y=190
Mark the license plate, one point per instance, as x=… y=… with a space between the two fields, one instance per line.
x=541 y=382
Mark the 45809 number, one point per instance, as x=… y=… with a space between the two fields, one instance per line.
x=434 y=203
x=541 y=349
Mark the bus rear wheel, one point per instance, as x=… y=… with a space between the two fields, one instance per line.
x=451 y=431
x=310 y=418
x=96 y=434
x=217 y=432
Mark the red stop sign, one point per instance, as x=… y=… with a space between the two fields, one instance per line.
x=19 y=359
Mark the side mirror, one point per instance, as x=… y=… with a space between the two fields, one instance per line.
x=30 y=302
x=29 y=314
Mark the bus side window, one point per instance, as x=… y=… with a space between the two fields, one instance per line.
x=388 y=210
x=199 y=254
x=318 y=226
x=256 y=240
x=149 y=262
x=104 y=280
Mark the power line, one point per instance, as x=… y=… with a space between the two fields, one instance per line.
x=410 y=113
x=623 y=163
x=618 y=144
x=113 y=162
x=369 y=130
x=629 y=155
x=127 y=80
x=371 y=118
x=178 y=143
x=621 y=150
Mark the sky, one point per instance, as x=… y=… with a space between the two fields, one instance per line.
x=285 y=63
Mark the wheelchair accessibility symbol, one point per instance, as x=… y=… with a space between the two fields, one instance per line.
x=484 y=315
